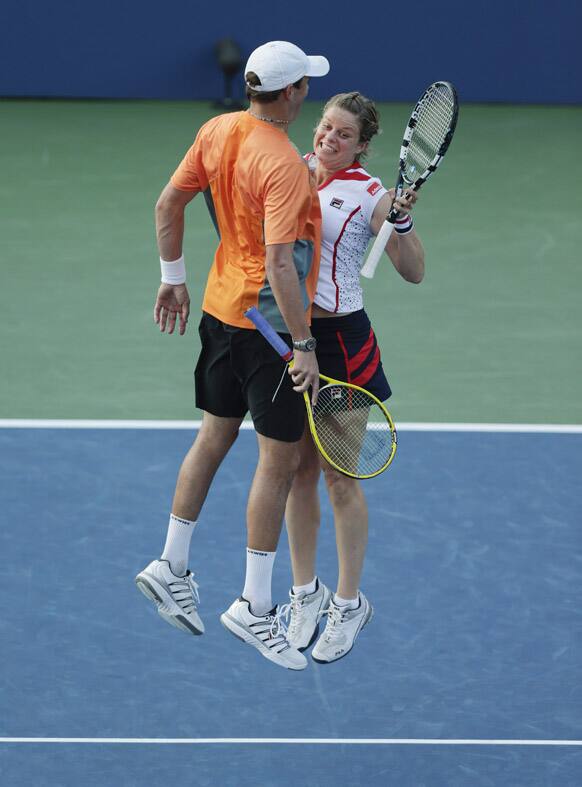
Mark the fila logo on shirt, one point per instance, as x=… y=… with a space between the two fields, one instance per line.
x=373 y=188
x=336 y=203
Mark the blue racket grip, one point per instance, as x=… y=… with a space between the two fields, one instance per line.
x=265 y=327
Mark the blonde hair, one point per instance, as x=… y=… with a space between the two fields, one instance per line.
x=362 y=108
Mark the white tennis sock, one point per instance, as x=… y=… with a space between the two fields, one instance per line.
x=307 y=589
x=177 y=545
x=345 y=603
x=257 y=589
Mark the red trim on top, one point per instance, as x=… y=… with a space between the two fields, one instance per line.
x=335 y=245
x=344 y=174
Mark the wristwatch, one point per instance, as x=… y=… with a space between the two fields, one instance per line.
x=306 y=345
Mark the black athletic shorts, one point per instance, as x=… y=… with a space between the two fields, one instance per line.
x=347 y=350
x=238 y=372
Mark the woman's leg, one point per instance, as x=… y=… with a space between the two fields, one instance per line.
x=351 y=528
x=349 y=610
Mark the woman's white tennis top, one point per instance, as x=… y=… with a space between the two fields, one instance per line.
x=347 y=200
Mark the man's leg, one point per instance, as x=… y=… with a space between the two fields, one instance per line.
x=278 y=462
x=212 y=443
x=278 y=414
x=214 y=439
x=266 y=505
x=167 y=582
x=302 y=513
x=251 y=617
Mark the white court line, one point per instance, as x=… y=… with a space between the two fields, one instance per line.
x=310 y=741
x=34 y=423
x=193 y=425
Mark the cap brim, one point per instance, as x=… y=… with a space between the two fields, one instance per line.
x=318 y=66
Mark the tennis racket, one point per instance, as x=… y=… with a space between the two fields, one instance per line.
x=351 y=428
x=426 y=140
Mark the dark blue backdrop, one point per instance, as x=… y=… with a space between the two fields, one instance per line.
x=501 y=50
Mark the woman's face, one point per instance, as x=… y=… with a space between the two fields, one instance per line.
x=337 y=139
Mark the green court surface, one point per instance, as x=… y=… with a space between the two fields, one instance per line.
x=491 y=335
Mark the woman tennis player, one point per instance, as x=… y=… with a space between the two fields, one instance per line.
x=354 y=205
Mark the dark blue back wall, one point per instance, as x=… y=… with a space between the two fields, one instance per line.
x=502 y=50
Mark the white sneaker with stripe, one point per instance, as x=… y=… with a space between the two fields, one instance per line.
x=176 y=597
x=306 y=611
x=266 y=633
x=342 y=627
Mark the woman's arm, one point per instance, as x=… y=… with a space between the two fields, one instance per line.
x=405 y=251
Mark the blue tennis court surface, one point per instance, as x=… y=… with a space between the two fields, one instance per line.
x=474 y=570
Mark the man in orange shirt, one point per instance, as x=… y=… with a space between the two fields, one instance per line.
x=266 y=211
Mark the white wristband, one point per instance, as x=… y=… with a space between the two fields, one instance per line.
x=404 y=225
x=173 y=272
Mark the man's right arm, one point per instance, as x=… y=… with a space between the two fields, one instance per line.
x=172 y=300
x=170 y=221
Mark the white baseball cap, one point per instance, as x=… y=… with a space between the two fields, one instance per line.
x=279 y=63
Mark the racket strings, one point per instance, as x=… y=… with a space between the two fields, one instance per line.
x=434 y=117
x=353 y=430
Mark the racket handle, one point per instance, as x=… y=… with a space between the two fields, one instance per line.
x=265 y=327
x=369 y=267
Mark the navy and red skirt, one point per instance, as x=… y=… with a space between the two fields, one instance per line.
x=347 y=350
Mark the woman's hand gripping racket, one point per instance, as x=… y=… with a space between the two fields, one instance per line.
x=426 y=140
x=351 y=428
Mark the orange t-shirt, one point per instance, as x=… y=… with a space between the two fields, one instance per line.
x=261 y=194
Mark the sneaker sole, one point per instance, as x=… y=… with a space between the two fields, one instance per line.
x=367 y=619
x=154 y=592
x=234 y=627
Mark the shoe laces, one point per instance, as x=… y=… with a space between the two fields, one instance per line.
x=187 y=586
x=296 y=610
x=335 y=617
x=278 y=626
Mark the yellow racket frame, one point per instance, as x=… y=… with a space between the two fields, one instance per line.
x=286 y=353
x=317 y=441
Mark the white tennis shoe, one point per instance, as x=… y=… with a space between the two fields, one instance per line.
x=306 y=611
x=266 y=633
x=176 y=597
x=342 y=628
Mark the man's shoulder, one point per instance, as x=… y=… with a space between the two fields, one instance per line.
x=224 y=123
x=268 y=147
x=269 y=153
x=273 y=143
